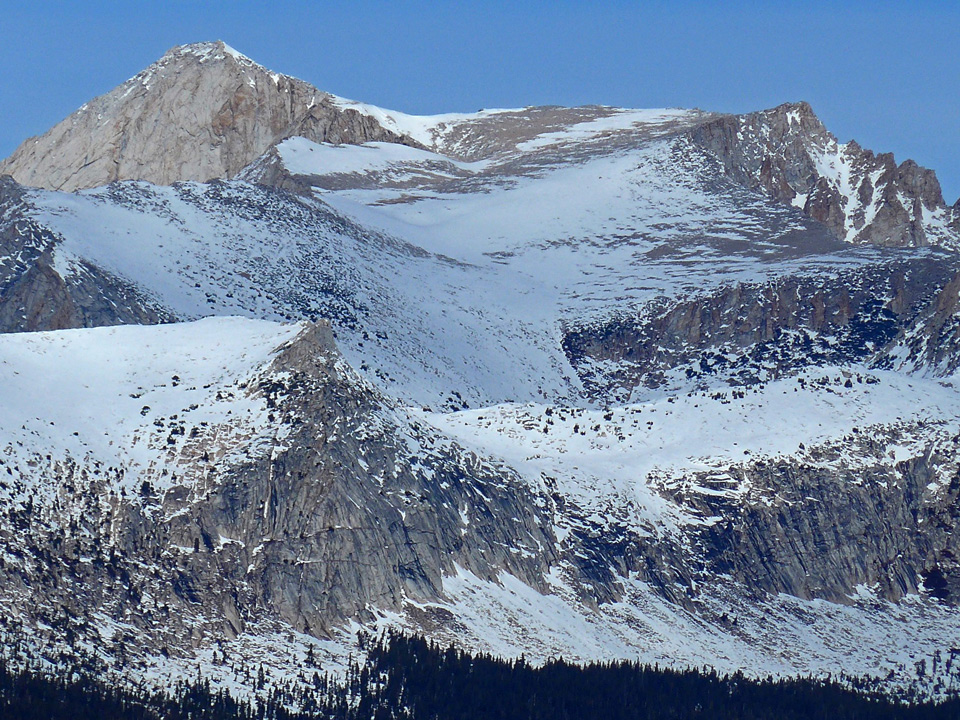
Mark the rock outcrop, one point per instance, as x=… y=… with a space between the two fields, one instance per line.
x=787 y=153
x=901 y=313
x=202 y=111
x=835 y=517
x=345 y=517
x=815 y=532
x=344 y=512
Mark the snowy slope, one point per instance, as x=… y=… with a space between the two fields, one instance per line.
x=114 y=396
x=425 y=129
x=118 y=396
x=445 y=283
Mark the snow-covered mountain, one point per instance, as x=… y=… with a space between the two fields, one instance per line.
x=588 y=381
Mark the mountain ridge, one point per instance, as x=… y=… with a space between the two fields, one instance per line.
x=860 y=196
x=596 y=382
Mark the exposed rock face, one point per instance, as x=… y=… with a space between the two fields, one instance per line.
x=345 y=516
x=819 y=525
x=862 y=197
x=345 y=513
x=42 y=300
x=202 y=111
x=902 y=311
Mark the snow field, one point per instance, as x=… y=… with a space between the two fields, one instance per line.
x=114 y=394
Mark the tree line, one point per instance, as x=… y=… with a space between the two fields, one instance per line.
x=409 y=678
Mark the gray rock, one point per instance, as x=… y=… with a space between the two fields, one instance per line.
x=335 y=520
x=750 y=333
x=816 y=527
x=200 y=112
x=787 y=153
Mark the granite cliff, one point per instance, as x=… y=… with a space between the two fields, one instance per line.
x=202 y=111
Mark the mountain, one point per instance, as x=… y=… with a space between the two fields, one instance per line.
x=860 y=196
x=591 y=382
x=202 y=111
x=205 y=111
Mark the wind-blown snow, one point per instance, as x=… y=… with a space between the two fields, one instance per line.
x=620 y=120
x=609 y=460
x=303 y=157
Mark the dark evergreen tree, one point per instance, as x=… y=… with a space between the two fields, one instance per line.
x=409 y=678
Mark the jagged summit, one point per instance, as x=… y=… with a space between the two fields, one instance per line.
x=201 y=111
x=212 y=53
x=862 y=197
x=217 y=50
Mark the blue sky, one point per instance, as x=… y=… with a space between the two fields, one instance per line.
x=886 y=74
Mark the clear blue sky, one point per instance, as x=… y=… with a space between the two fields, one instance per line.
x=886 y=74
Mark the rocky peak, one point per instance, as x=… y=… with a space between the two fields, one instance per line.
x=202 y=111
x=921 y=183
x=206 y=51
x=789 y=121
x=861 y=197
